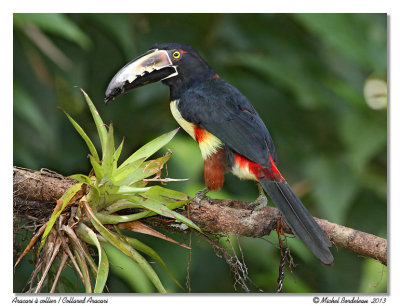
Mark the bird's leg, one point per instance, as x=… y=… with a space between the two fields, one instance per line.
x=200 y=195
x=261 y=201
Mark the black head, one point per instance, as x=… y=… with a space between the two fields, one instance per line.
x=177 y=65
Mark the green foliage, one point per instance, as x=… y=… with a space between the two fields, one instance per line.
x=112 y=189
x=62 y=203
x=126 y=249
x=128 y=270
x=304 y=73
x=113 y=184
x=58 y=24
x=103 y=266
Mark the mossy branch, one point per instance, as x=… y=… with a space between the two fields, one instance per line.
x=36 y=192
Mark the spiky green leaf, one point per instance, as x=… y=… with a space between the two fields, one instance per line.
x=115 y=219
x=127 y=269
x=101 y=129
x=85 y=137
x=163 y=210
x=98 y=169
x=140 y=246
x=122 y=173
x=82 y=178
x=129 y=190
x=125 y=248
x=165 y=195
x=108 y=154
x=103 y=266
x=62 y=203
x=117 y=154
x=151 y=147
x=145 y=170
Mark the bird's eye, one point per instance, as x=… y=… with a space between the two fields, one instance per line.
x=176 y=54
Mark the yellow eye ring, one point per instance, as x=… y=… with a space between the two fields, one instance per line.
x=176 y=54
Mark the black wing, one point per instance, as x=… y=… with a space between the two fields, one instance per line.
x=225 y=112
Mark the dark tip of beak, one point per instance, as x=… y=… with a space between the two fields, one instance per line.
x=107 y=99
x=114 y=93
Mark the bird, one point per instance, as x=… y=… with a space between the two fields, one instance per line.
x=230 y=133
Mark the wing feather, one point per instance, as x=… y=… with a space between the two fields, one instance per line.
x=225 y=112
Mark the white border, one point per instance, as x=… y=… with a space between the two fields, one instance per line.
x=203 y=6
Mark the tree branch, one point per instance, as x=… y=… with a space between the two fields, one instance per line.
x=36 y=192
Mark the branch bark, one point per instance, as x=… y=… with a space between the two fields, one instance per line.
x=36 y=192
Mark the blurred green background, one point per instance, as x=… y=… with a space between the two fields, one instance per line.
x=317 y=80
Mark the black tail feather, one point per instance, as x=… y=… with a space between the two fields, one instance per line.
x=299 y=219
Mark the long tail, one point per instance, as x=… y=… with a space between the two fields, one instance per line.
x=299 y=219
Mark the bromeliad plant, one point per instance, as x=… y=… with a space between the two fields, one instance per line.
x=103 y=199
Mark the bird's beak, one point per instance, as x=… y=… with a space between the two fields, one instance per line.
x=155 y=65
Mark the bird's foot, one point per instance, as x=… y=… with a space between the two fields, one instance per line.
x=200 y=195
x=259 y=203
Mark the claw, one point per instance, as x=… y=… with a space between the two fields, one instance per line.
x=261 y=201
x=200 y=195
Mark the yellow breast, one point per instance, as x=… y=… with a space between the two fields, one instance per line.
x=208 y=143
x=186 y=125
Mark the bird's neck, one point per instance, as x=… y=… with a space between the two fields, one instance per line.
x=178 y=85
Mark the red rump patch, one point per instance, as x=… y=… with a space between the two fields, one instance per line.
x=259 y=171
x=276 y=174
x=199 y=134
x=215 y=76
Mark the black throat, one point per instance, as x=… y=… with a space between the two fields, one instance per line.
x=187 y=79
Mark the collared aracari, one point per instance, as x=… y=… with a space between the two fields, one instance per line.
x=230 y=133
